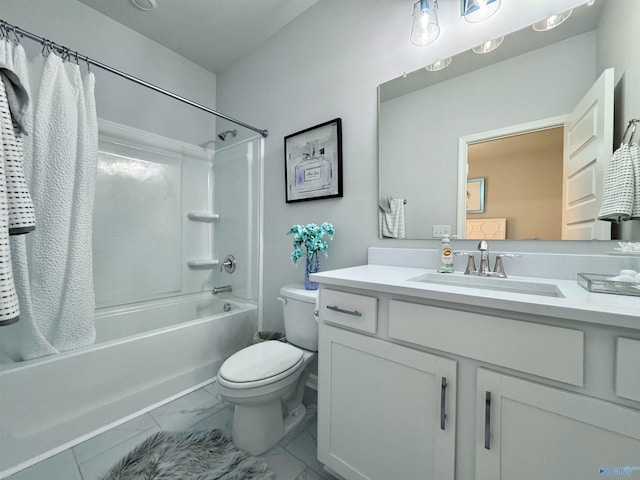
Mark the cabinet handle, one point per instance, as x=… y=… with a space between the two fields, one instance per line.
x=487 y=421
x=355 y=313
x=443 y=401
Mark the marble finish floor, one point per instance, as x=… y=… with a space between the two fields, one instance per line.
x=293 y=458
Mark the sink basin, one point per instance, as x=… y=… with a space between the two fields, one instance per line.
x=490 y=283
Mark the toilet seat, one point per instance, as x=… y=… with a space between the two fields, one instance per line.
x=260 y=364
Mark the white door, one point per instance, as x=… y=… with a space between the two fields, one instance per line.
x=588 y=142
x=527 y=431
x=385 y=411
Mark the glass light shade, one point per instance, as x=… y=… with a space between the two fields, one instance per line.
x=551 y=22
x=488 y=46
x=425 y=28
x=479 y=10
x=439 y=65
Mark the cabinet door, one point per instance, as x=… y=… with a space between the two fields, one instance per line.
x=384 y=411
x=530 y=431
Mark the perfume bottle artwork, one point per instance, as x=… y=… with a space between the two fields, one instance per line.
x=313 y=172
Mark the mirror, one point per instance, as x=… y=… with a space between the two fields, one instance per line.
x=534 y=78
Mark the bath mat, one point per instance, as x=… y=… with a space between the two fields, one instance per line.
x=208 y=455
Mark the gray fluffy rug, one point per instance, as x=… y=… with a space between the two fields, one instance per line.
x=206 y=455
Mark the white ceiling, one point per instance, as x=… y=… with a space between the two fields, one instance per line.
x=212 y=33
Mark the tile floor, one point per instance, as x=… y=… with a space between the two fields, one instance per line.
x=293 y=458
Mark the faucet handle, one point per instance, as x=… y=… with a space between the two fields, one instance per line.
x=471 y=263
x=498 y=269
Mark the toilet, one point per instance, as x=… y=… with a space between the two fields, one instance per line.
x=265 y=382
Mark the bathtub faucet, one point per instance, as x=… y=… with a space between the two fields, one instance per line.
x=222 y=289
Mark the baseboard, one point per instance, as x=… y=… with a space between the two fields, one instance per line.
x=312 y=383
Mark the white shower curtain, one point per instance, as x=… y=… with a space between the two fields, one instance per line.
x=52 y=265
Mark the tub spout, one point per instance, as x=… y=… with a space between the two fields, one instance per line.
x=222 y=289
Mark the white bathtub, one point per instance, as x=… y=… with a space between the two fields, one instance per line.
x=143 y=356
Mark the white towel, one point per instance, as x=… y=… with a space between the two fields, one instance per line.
x=618 y=191
x=57 y=299
x=391 y=218
x=634 y=150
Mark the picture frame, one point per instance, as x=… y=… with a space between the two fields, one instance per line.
x=313 y=162
x=475 y=195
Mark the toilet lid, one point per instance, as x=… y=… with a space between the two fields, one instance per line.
x=260 y=361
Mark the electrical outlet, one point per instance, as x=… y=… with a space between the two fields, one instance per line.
x=440 y=231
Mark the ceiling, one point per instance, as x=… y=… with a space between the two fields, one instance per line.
x=211 y=33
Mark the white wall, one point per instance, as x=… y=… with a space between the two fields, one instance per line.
x=74 y=25
x=419 y=131
x=328 y=64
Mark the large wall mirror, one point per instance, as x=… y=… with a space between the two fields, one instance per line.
x=498 y=121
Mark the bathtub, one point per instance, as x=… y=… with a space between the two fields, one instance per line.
x=144 y=356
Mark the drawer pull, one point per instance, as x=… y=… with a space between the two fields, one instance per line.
x=487 y=421
x=443 y=401
x=355 y=313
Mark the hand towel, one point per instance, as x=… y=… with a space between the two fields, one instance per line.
x=618 y=190
x=391 y=222
x=634 y=150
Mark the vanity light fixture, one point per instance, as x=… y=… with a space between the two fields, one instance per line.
x=488 y=46
x=439 y=65
x=551 y=22
x=475 y=11
x=425 y=28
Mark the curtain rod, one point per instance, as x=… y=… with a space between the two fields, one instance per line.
x=7 y=27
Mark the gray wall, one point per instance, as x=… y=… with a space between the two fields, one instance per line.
x=419 y=131
x=327 y=64
x=74 y=25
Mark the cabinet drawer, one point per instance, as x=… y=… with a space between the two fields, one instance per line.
x=551 y=352
x=627 y=372
x=358 y=312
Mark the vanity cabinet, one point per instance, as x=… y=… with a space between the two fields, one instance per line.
x=385 y=411
x=525 y=430
x=530 y=396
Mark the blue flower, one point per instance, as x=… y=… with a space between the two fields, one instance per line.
x=309 y=237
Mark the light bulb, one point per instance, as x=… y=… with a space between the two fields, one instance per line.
x=488 y=46
x=439 y=65
x=479 y=10
x=425 y=28
x=551 y=22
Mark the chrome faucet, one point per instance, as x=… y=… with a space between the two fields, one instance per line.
x=485 y=270
x=222 y=289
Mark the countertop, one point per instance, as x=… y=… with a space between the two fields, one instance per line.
x=578 y=304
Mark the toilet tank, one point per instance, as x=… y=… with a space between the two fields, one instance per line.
x=300 y=324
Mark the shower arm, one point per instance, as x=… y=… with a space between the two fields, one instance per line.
x=64 y=50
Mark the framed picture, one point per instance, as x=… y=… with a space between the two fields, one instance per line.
x=313 y=162
x=475 y=195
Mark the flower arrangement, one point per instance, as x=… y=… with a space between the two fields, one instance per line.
x=310 y=238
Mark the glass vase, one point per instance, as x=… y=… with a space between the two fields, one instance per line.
x=312 y=266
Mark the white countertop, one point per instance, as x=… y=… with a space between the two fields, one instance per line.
x=577 y=304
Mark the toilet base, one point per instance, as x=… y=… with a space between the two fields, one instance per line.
x=255 y=430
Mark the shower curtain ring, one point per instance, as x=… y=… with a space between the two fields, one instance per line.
x=16 y=37
x=86 y=59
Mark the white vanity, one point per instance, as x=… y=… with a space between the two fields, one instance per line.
x=422 y=380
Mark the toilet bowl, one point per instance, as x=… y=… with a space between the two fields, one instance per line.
x=265 y=382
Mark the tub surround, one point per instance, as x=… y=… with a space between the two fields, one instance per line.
x=465 y=383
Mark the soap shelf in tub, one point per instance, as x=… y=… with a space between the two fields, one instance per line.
x=598 y=283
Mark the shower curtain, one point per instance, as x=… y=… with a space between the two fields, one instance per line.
x=52 y=266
